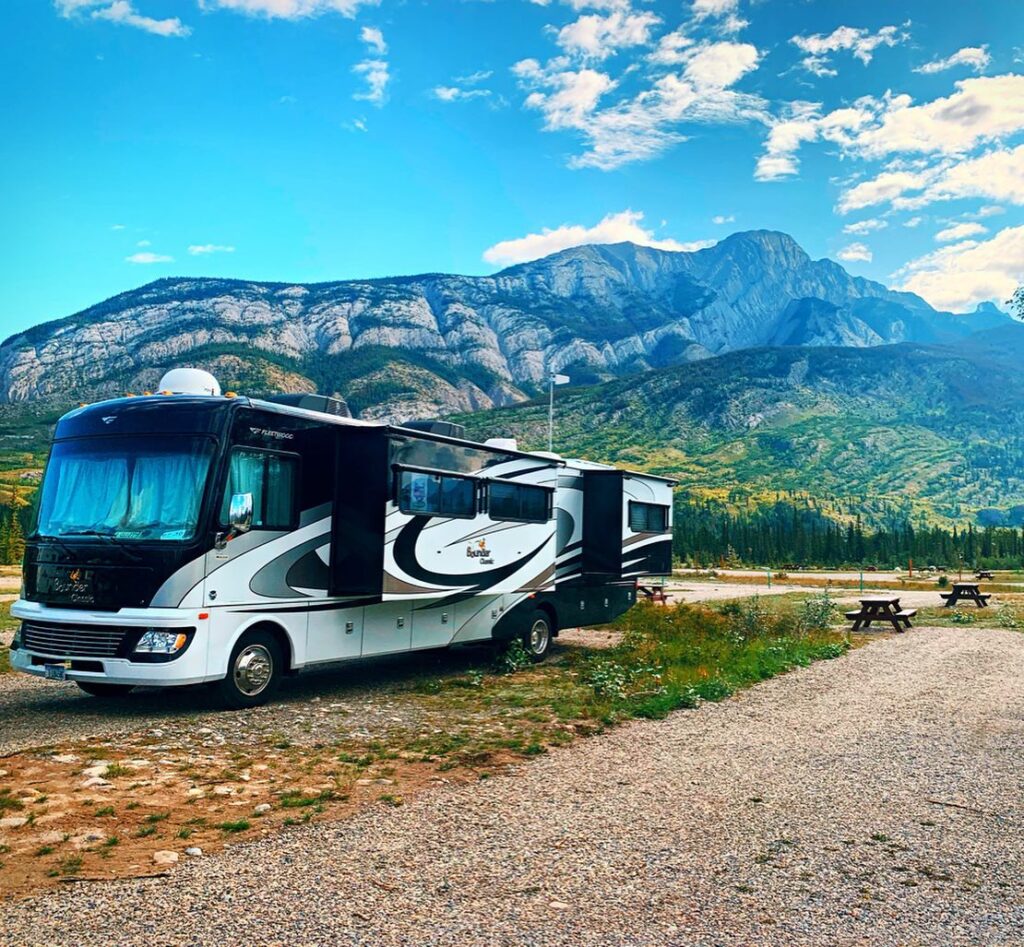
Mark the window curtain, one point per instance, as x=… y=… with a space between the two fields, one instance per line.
x=87 y=493
x=166 y=491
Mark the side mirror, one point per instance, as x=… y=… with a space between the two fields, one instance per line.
x=240 y=514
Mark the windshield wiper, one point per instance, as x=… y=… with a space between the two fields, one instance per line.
x=110 y=538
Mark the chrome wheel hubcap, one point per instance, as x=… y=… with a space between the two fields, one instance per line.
x=539 y=635
x=254 y=667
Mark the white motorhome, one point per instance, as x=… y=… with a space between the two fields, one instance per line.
x=195 y=538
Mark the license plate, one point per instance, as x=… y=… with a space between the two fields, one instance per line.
x=55 y=672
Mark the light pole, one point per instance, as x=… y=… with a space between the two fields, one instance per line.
x=553 y=379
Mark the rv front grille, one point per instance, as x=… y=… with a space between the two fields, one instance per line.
x=86 y=641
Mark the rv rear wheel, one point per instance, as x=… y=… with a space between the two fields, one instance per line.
x=99 y=689
x=537 y=637
x=254 y=671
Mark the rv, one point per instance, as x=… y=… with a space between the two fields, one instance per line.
x=190 y=537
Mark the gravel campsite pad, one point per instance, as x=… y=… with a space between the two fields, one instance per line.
x=874 y=799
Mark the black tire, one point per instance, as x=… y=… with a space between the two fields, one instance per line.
x=99 y=689
x=538 y=634
x=254 y=671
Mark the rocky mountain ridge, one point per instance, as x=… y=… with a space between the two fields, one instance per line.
x=422 y=345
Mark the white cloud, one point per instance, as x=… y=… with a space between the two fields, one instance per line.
x=117 y=227
x=671 y=49
x=862 y=227
x=645 y=125
x=144 y=243
x=145 y=257
x=960 y=232
x=615 y=228
x=960 y=276
x=720 y=65
x=124 y=13
x=855 y=252
x=374 y=38
x=288 y=9
x=451 y=93
x=976 y=57
x=989 y=210
x=861 y=43
x=596 y=37
x=375 y=72
x=981 y=110
x=995 y=175
x=373 y=69
x=203 y=249
x=913 y=222
x=723 y=219
x=706 y=8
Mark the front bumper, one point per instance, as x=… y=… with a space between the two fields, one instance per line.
x=189 y=667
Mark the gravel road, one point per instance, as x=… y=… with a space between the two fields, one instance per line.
x=871 y=800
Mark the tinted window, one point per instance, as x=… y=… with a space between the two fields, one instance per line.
x=271 y=479
x=647 y=517
x=432 y=494
x=516 y=501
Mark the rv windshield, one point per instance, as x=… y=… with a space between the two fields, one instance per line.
x=138 y=488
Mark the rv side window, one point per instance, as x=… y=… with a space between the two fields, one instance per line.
x=432 y=494
x=272 y=479
x=647 y=517
x=517 y=501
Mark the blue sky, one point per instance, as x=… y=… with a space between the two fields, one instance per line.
x=305 y=140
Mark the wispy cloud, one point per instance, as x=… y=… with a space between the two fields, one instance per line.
x=374 y=38
x=977 y=57
x=288 y=9
x=636 y=128
x=203 y=249
x=146 y=258
x=860 y=43
x=374 y=69
x=124 y=13
x=862 y=227
x=960 y=232
x=723 y=219
x=625 y=226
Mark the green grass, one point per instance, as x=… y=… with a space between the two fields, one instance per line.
x=8 y=803
x=241 y=825
x=295 y=800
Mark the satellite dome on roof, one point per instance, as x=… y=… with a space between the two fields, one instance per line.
x=189 y=381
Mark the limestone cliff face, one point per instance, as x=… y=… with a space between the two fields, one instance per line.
x=423 y=345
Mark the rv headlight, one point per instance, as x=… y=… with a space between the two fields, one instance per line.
x=161 y=642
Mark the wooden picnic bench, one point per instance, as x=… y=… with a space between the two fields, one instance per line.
x=984 y=574
x=881 y=608
x=969 y=591
x=654 y=592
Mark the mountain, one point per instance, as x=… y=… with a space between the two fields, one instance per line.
x=908 y=429
x=423 y=345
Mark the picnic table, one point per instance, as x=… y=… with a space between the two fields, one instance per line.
x=881 y=608
x=654 y=592
x=984 y=574
x=970 y=591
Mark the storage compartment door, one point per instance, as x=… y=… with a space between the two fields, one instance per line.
x=602 y=524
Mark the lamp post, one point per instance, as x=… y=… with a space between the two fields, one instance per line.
x=553 y=379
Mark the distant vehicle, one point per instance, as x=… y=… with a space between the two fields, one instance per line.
x=190 y=537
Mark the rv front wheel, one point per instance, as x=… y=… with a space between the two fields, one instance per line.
x=537 y=638
x=254 y=671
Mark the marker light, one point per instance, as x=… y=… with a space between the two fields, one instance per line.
x=161 y=642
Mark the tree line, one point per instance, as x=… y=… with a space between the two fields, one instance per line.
x=796 y=533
